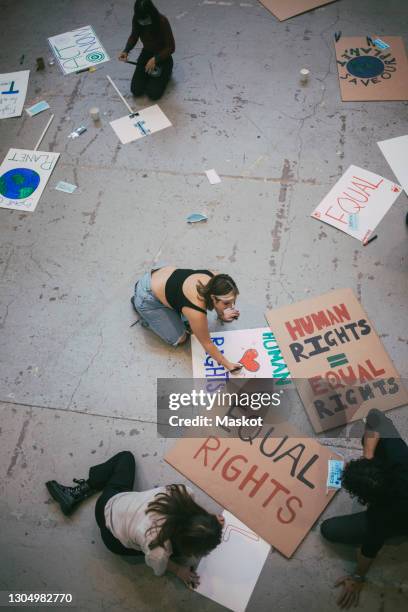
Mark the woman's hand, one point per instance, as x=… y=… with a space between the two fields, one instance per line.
x=150 y=65
x=234 y=368
x=123 y=56
x=190 y=578
x=230 y=314
x=350 y=594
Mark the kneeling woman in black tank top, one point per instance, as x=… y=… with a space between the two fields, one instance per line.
x=171 y=300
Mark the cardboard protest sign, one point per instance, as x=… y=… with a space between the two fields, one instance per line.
x=275 y=483
x=78 y=49
x=228 y=575
x=13 y=91
x=369 y=73
x=257 y=349
x=357 y=202
x=140 y=124
x=283 y=9
x=395 y=151
x=23 y=177
x=338 y=362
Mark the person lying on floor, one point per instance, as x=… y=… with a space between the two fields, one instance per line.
x=164 y=524
x=165 y=296
x=155 y=62
x=380 y=481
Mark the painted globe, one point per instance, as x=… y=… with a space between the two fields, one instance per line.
x=19 y=183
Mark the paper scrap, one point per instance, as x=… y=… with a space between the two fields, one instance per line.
x=334 y=473
x=380 y=44
x=37 y=108
x=213 y=176
x=196 y=217
x=66 y=187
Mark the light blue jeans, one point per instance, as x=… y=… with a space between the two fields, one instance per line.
x=163 y=321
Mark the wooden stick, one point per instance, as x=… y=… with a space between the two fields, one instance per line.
x=44 y=131
x=119 y=94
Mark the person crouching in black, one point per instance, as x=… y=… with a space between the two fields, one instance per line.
x=379 y=480
x=155 y=62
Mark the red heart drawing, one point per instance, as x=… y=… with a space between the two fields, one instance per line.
x=248 y=360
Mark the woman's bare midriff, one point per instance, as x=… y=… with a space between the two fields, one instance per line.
x=159 y=280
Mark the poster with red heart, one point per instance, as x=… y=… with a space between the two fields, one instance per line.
x=256 y=349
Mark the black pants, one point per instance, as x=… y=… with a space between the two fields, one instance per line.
x=144 y=83
x=352 y=529
x=114 y=476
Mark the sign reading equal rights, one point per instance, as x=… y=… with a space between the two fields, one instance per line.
x=275 y=483
x=337 y=360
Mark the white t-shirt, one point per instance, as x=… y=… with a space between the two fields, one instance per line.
x=126 y=518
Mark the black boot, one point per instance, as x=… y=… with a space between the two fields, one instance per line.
x=69 y=497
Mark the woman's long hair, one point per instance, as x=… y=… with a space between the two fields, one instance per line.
x=190 y=529
x=220 y=284
x=366 y=480
x=146 y=8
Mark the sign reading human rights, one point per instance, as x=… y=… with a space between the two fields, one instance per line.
x=337 y=360
x=274 y=483
x=256 y=349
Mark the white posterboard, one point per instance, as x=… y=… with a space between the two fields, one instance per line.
x=395 y=151
x=357 y=202
x=23 y=177
x=256 y=349
x=228 y=575
x=140 y=124
x=78 y=49
x=13 y=91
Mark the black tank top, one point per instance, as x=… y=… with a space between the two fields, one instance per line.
x=174 y=289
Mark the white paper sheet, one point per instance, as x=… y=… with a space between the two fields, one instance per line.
x=78 y=49
x=228 y=575
x=359 y=192
x=256 y=348
x=23 y=177
x=213 y=176
x=395 y=151
x=13 y=91
x=138 y=125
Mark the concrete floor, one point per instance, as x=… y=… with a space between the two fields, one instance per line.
x=77 y=384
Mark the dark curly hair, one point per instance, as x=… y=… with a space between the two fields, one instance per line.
x=365 y=479
x=190 y=529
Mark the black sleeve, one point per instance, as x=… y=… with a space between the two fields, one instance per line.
x=134 y=36
x=375 y=538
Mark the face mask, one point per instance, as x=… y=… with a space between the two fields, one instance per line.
x=145 y=22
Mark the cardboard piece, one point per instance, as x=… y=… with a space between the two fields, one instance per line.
x=140 y=124
x=368 y=73
x=13 y=91
x=358 y=192
x=228 y=575
x=336 y=359
x=284 y=9
x=23 y=177
x=274 y=483
x=78 y=49
x=256 y=348
x=395 y=151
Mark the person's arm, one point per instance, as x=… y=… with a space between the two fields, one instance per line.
x=169 y=44
x=186 y=574
x=199 y=326
x=370 y=441
x=133 y=38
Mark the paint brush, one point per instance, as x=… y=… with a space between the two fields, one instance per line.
x=129 y=62
x=370 y=240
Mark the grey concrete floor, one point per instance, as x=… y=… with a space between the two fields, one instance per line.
x=77 y=384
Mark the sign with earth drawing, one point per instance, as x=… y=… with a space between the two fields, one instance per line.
x=23 y=177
